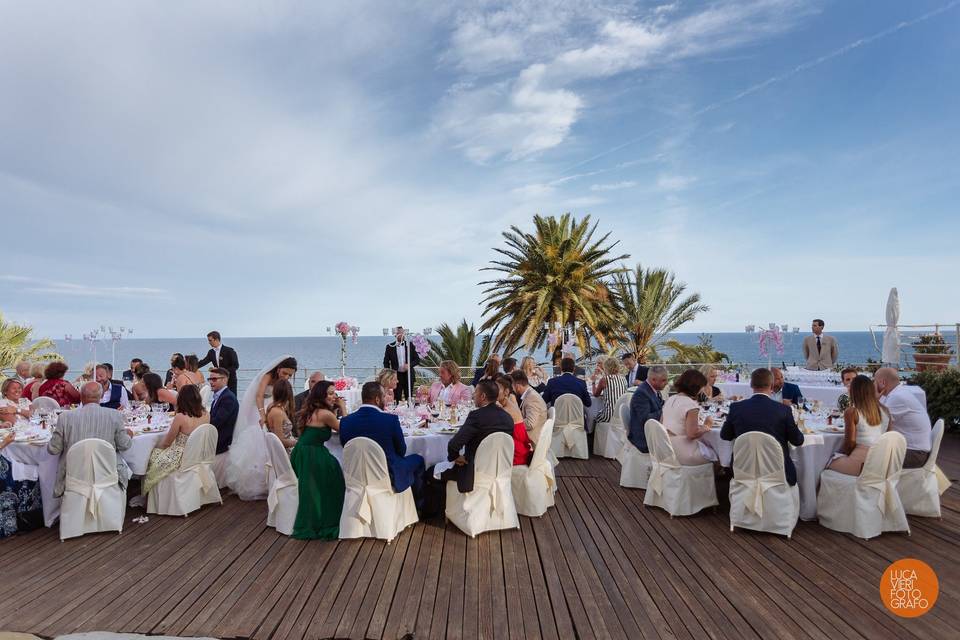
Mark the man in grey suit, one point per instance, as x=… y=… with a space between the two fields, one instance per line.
x=532 y=406
x=820 y=351
x=90 y=421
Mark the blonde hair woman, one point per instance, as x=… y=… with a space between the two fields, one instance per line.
x=36 y=372
x=536 y=377
x=710 y=392
x=449 y=388
x=610 y=387
x=388 y=380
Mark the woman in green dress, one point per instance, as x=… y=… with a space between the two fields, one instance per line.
x=318 y=472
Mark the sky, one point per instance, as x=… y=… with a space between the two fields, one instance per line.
x=272 y=168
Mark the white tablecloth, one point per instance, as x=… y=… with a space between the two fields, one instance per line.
x=433 y=446
x=810 y=460
x=827 y=394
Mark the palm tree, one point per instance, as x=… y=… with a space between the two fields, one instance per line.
x=15 y=345
x=557 y=274
x=653 y=305
x=458 y=345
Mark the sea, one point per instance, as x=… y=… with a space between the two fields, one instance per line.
x=365 y=357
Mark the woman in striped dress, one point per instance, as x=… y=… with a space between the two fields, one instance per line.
x=610 y=387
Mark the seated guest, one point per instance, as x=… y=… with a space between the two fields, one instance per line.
x=865 y=421
x=32 y=388
x=321 y=486
x=22 y=372
x=54 y=386
x=182 y=375
x=90 y=421
x=577 y=369
x=609 y=388
x=509 y=364
x=636 y=373
x=128 y=375
x=566 y=382
x=536 y=376
x=448 y=388
x=8 y=416
x=847 y=376
x=86 y=376
x=20 y=506
x=388 y=381
x=762 y=413
x=139 y=389
x=646 y=404
x=280 y=414
x=114 y=394
x=681 y=418
x=370 y=421
x=487 y=418
x=156 y=392
x=224 y=410
x=166 y=455
x=522 y=447
x=532 y=406
x=481 y=372
x=174 y=358
x=298 y=399
x=10 y=393
x=785 y=392
x=710 y=392
x=491 y=370
x=908 y=416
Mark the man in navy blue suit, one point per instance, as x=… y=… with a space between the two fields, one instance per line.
x=785 y=392
x=566 y=382
x=762 y=413
x=224 y=408
x=370 y=421
x=646 y=404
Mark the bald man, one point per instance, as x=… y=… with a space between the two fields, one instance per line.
x=90 y=421
x=908 y=416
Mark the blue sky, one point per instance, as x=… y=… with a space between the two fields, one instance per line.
x=272 y=168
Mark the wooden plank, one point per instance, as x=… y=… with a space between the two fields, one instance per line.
x=433 y=540
x=394 y=622
x=373 y=612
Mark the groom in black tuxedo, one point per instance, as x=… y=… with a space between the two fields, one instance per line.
x=222 y=357
x=402 y=358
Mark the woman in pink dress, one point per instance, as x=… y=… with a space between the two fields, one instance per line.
x=449 y=388
x=681 y=418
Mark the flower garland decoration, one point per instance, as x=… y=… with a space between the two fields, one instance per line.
x=421 y=344
x=772 y=334
x=343 y=330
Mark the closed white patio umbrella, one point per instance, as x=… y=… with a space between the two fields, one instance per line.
x=891 y=337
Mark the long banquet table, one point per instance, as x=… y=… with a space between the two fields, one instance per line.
x=827 y=394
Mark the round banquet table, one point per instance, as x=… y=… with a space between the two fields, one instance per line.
x=432 y=446
x=810 y=459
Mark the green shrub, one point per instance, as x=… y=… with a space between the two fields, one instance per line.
x=943 y=394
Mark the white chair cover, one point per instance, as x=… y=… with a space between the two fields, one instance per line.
x=490 y=505
x=206 y=396
x=551 y=415
x=634 y=464
x=44 y=403
x=570 y=437
x=760 y=498
x=193 y=484
x=680 y=490
x=534 y=485
x=868 y=504
x=283 y=498
x=371 y=508
x=609 y=437
x=920 y=489
x=92 y=498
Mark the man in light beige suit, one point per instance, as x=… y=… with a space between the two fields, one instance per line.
x=90 y=421
x=820 y=351
x=532 y=406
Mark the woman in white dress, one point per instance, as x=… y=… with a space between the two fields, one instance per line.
x=865 y=420
x=246 y=471
x=681 y=418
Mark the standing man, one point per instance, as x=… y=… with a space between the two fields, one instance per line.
x=820 y=351
x=402 y=358
x=90 y=421
x=222 y=357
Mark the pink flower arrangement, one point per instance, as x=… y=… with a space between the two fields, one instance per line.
x=342 y=384
x=771 y=335
x=421 y=344
x=343 y=328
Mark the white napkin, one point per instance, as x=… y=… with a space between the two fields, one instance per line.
x=440 y=467
x=21 y=471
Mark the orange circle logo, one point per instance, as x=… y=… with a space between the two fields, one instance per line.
x=909 y=588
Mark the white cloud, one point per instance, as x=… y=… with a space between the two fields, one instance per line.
x=614 y=186
x=669 y=182
x=26 y=284
x=535 y=110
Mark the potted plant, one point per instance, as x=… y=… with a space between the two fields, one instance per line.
x=931 y=352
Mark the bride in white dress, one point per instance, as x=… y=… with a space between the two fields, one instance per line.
x=246 y=471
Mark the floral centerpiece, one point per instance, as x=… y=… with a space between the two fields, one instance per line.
x=343 y=330
x=771 y=335
x=344 y=383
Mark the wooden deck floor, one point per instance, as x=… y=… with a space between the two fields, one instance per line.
x=599 y=565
